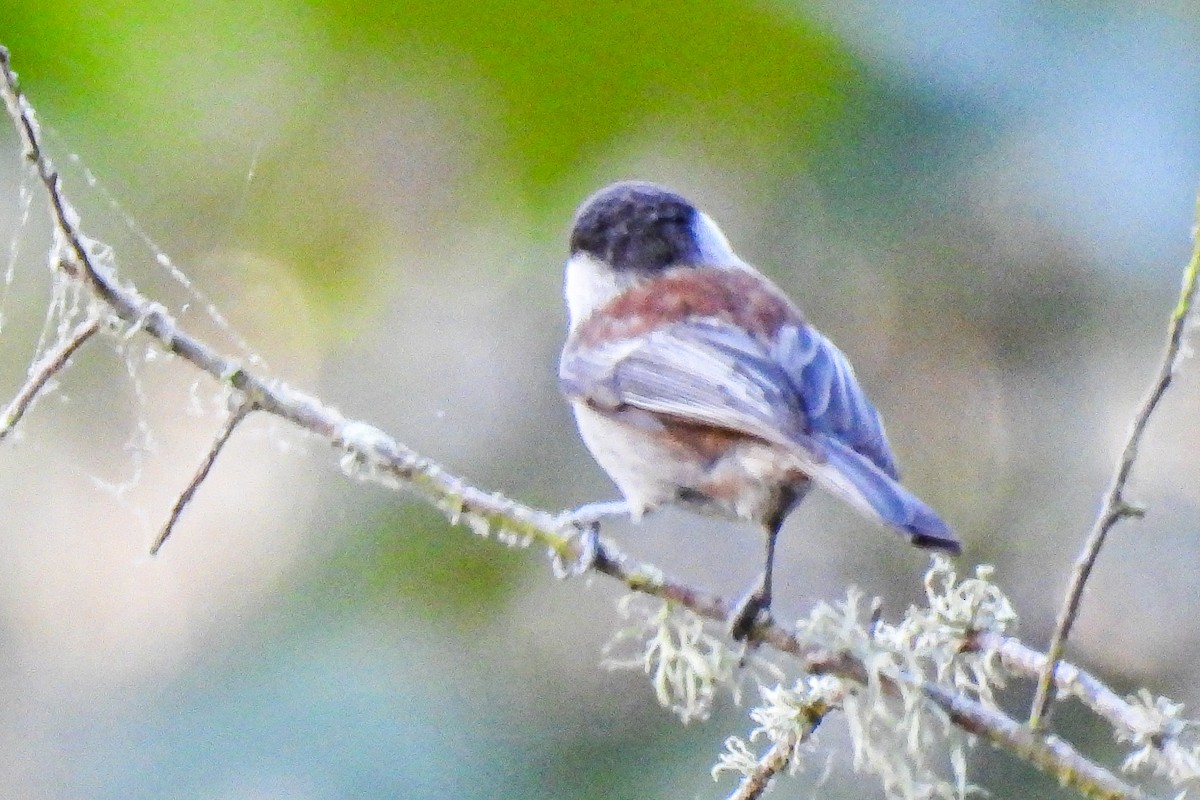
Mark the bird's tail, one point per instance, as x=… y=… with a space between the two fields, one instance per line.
x=856 y=480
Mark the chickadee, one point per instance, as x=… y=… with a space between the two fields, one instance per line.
x=696 y=381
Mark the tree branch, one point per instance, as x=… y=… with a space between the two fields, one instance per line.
x=1020 y=659
x=773 y=762
x=370 y=454
x=45 y=369
x=1116 y=507
x=239 y=413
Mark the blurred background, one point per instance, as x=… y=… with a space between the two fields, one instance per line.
x=987 y=205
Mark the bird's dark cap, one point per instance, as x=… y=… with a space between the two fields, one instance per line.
x=636 y=226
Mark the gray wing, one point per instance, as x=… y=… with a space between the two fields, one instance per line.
x=700 y=371
x=709 y=372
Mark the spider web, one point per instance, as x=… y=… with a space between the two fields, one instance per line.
x=160 y=256
x=70 y=304
x=24 y=203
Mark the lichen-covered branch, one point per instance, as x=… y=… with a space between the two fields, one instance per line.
x=770 y=764
x=1071 y=681
x=371 y=454
x=1049 y=753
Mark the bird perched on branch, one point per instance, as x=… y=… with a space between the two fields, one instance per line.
x=696 y=381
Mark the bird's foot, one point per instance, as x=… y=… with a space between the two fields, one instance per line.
x=588 y=549
x=751 y=611
x=588 y=553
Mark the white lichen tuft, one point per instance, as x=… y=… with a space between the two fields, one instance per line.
x=506 y=536
x=1168 y=747
x=482 y=526
x=738 y=758
x=794 y=713
x=687 y=664
x=786 y=721
x=907 y=743
x=930 y=639
x=367 y=455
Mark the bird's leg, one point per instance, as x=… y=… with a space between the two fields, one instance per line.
x=586 y=519
x=755 y=605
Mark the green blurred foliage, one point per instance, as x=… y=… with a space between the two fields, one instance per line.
x=564 y=84
x=413 y=557
x=570 y=78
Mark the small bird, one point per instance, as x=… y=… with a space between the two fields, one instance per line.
x=695 y=381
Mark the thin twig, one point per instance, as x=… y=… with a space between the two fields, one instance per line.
x=235 y=418
x=45 y=369
x=373 y=455
x=773 y=762
x=1116 y=507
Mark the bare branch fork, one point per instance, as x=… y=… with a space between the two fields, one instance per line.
x=371 y=454
x=1115 y=506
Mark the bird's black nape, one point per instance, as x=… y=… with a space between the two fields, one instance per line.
x=635 y=226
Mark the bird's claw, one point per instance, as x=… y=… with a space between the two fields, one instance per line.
x=752 y=610
x=588 y=549
x=588 y=553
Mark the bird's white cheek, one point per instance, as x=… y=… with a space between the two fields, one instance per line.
x=714 y=248
x=589 y=284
